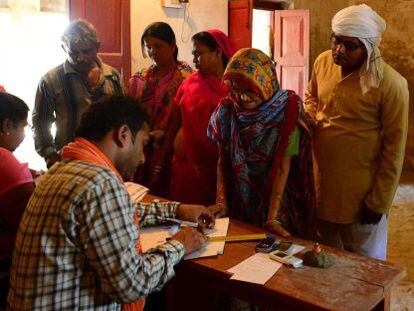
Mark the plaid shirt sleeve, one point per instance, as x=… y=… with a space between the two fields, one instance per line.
x=109 y=236
x=155 y=212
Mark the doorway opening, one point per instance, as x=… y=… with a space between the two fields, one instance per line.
x=261 y=31
x=34 y=28
x=283 y=34
x=263 y=23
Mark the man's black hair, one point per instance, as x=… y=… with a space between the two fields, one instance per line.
x=110 y=113
x=208 y=40
x=12 y=108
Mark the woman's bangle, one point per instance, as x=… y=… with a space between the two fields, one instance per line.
x=273 y=221
x=157 y=169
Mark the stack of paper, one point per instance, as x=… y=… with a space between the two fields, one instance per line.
x=153 y=236
x=258 y=269
x=136 y=191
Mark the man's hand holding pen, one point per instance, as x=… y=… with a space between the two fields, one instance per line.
x=193 y=239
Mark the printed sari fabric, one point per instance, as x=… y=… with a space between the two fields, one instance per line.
x=157 y=98
x=156 y=95
x=254 y=142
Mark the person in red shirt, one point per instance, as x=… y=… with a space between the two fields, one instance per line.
x=16 y=182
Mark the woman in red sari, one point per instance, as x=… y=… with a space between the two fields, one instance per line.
x=155 y=87
x=195 y=156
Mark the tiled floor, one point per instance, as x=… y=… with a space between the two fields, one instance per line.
x=401 y=242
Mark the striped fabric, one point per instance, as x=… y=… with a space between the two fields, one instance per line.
x=75 y=249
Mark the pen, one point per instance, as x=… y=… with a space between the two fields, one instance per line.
x=183 y=222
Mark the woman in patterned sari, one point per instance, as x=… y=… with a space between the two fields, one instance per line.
x=265 y=167
x=155 y=87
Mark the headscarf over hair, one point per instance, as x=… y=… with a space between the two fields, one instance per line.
x=256 y=69
x=361 y=22
x=223 y=42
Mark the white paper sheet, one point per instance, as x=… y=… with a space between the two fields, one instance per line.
x=257 y=269
x=213 y=248
x=154 y=236
x=136 y=191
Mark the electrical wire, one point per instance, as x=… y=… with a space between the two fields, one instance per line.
x=185 y=22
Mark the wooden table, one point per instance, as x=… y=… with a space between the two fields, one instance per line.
x=354 y=282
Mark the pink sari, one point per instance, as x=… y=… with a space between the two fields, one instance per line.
x=194 y=169
x=194 y=166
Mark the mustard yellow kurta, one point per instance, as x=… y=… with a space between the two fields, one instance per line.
x=359 y=140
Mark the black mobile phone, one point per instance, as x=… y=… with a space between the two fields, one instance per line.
x=267 y=245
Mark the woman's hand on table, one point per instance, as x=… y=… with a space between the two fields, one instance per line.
x=274 y=226
x=219 y=210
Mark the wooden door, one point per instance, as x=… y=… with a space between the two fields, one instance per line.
x=240 y=22
x=112 y=21
x=291 y=49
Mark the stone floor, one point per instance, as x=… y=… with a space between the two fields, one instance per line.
x=401 y=242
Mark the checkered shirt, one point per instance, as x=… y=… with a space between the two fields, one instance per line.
x=75 y=249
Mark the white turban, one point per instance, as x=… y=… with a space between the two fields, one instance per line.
x=364 y=23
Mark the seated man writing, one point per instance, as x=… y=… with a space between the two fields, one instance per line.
x=78 y=245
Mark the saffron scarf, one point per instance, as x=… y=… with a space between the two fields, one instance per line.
x=83 y=150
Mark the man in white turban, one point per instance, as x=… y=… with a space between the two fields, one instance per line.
x=359 y=106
